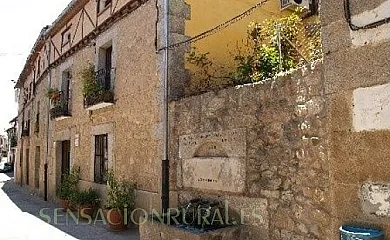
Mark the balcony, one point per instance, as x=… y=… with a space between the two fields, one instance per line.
x=26 y=132
x=36 y=127
x=60 y=110
x=13 y=142
x=101 y=94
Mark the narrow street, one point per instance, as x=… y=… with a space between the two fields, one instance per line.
x=20 y=218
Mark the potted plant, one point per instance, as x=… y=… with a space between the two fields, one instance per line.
x=67 y=187
x=120 y=201
x=93 y=91
x=59 y=109
x=87 y=201
x=53 y=93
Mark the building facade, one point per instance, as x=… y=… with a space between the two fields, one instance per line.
x=61 y=126
x=12 y=136
x=3 y=146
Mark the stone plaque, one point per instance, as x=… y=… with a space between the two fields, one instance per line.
x=231 y=142
x=214 y=161
x=219 y=174
x=371 y=109
x=376 y=199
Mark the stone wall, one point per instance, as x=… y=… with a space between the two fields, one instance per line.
x=356 y=75
x=277 y=129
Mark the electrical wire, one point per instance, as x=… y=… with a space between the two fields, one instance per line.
x=218 y=28
x=347 y=13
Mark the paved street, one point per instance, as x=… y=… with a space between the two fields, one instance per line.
x=20 y=219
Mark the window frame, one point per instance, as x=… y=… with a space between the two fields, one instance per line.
x=102 y=6
x=66 y=37
x=100 y=158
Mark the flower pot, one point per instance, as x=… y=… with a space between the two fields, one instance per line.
x=55 y=95
x=86 y=210
x=65 y=204
x=115 y=219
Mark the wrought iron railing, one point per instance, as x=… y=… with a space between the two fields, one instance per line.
x=13 y=142
x=60 y=107
x=26 y=131
x=104 y=78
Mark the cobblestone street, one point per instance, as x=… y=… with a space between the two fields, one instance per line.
x=20 y=218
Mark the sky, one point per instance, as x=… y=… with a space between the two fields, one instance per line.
x=20 y=22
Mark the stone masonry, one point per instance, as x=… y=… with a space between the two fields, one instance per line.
x=286 y=171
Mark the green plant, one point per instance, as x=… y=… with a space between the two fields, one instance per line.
x=274 y=47
x=93 y=91
x=60 y=108
x=68 y=184
x=207 y=75
x=50 y=92
x=90 y=85
x=121 y=194
x=85 y=197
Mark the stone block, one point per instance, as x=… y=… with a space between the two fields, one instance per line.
x=335 y=37
x=371 y=109
x=358 y=7
x=340 y=111
x=346 y=202
x=331 y=11
x=375 y=199
x=356 y=157
x=152 y=230
x=356 y=67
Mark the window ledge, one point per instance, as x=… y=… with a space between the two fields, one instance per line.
x=99 y=106
x=61 y=118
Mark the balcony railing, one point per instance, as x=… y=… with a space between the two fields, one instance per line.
x=13 y=142
x=105 y=94
x=103 y=78
x=26 y=132
x=60 y=109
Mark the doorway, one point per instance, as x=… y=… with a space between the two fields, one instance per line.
x=65 y=157
x=27 y=166
x=37 y=166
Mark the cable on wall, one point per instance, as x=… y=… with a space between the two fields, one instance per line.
x=347 y=13
x=218 y=28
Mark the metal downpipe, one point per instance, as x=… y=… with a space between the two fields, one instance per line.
x=165 y=160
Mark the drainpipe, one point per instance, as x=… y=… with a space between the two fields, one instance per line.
x=165 y=161
x=21 y=150
x=47 y=126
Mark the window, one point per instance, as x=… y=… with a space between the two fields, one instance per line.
x=104 y=75
x=28 y=123
x=37 y=166
x=103 y=4
x=31 y=90
x=66 y=85
x=101 y=157
x=66 y=36
x=39 y=66
x=36 y=126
